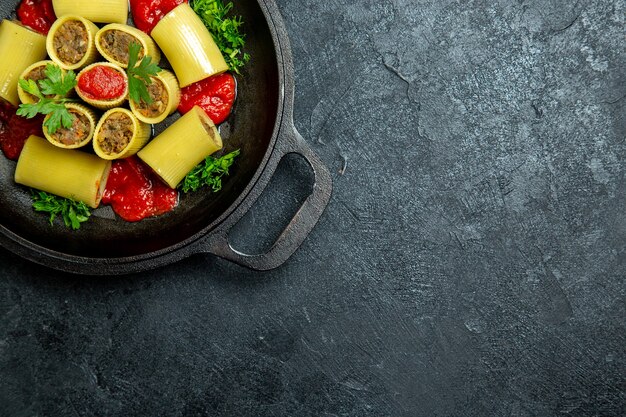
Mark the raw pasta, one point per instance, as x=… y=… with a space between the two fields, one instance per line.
x=188 y=46
x=20 y=47
x=66 y=173
x=182 y=146
x=112 y=42
x=119 y=134
x=101 y=11
x=103 y=104
x=165 y=99
x=70 y=42
x=79 y=134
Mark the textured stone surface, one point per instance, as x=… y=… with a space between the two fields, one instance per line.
x=471 y=261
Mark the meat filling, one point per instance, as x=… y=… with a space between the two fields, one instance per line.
x=37 y=75
x=159 y=96
x=70 y=41
x=207 y=127
x=115 y=133
x=116 y=43
x=77 y=133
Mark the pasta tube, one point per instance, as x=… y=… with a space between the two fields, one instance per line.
x=103 y=85
x=188 y=46
x=113 y=40
x=19 y=48
x=165 y=94
x=70 y=174
x=35 y=72
x=182 y=146
x=79 y=134
x=101 y=11
x=119 y=134
x=70 y=42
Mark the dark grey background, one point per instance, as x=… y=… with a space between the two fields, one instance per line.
x=471 y=261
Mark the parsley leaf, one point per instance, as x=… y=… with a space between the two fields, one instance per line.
x=30 y=86
x=225 y=30
x=139 y=75
x=55 y=83
x=73 y=212
x=209 y=173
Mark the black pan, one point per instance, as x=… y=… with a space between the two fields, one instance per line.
x=261 y=126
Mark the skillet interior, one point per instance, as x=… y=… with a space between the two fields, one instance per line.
x=249 y=128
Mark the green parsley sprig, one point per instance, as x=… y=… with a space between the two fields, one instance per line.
x=209 y=173
x=225 y=30
x=73 y=212
x=139 y=75
x=57 y=84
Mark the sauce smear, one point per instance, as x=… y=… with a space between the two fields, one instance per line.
x=147 y=13
x=135 y=192
x=215 y=95
x=14 y=130
x=37 y=15
x=102 y=83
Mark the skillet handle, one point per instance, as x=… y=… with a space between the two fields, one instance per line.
x=300 y=225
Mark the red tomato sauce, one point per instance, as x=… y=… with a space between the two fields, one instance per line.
x=215 y=95
x=147 y=13
x=37 y=15
x=102 y=83
x=14 y=130
x=135 y=192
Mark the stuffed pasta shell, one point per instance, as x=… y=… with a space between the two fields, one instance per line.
x=79 y=134
x=119 y=134
x=182 y=146
x=112 y=41
x=35 y=72
x=165 y=95
x=66 y=173
x=103 y=85
x=20 y=47
x=70 y=42
x=101 y=11
x=188 y=46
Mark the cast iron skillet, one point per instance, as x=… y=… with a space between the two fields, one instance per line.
x=261 y=126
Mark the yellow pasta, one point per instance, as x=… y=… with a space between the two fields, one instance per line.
x=112 y=42
x=165 y=94
x=79 y=134
x=182 y=146
x=66 y=173
x=20 y=47
x=188 y=46
x=98 y=103
x=101 y=11
x=34 y=72
x=70 y=42
x=119 y=134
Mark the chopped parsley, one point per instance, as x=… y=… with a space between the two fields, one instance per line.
x=209 y=173
x=73 y=212
x=225 y=30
